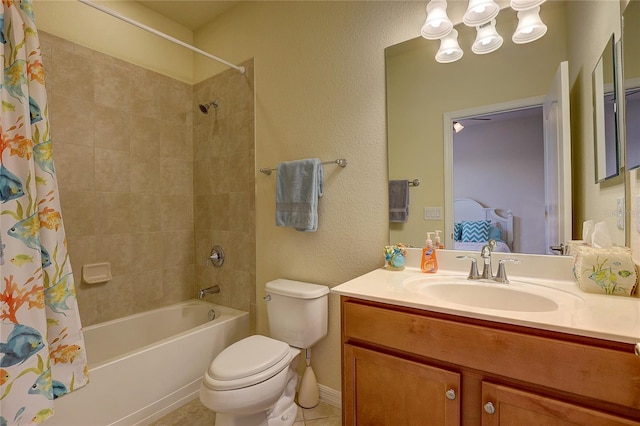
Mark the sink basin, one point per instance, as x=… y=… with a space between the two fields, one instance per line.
x=516 y=296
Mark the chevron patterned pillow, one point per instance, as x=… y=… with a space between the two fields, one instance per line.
x=474 y=232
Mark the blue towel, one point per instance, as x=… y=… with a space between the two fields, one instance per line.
x=398 y=200
x=298 y=187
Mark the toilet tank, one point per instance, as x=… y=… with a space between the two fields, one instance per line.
x=297 y=311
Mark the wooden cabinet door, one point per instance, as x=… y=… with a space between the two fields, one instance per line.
x=385 y=390
x=514 y=407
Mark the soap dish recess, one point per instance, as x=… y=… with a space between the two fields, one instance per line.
x=96 y=273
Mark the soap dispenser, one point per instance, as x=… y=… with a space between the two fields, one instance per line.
x=437 y=243
x=428 y=262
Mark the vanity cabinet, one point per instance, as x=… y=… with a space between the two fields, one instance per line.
x=404 y=366
x=385 y=385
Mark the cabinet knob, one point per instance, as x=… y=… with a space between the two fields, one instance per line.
x=489 y=408
x=450 y=394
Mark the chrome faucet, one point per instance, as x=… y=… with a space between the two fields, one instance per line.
x=501 y=276
x=473 y=272
x=209 y=290
x=485 y=253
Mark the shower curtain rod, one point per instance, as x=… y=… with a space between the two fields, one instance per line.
x=115 y=14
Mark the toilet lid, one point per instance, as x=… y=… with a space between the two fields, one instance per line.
x=248 y=357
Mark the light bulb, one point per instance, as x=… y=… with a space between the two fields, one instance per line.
x=530 y=26
x=487 y=39
x=437 y=24
x=480 y=12
x=449 y=48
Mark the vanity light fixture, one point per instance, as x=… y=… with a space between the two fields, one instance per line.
x=480 y=12
x=449 y=48
x=457 y=126
x=437 y=24
x=487 y=38
x=530 y=26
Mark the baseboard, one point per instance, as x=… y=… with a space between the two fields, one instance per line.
x=330 y=396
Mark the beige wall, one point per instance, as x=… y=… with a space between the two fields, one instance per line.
x=94 y=29
x=320 y=92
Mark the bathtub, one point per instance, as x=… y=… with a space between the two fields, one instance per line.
x=143 y=366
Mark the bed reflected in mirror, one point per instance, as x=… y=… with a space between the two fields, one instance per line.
x=475 y=225
x=498 y=175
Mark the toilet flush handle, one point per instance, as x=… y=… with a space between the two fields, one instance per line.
x=267 y=298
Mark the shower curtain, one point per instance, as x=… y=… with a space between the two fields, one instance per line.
x=42 y=353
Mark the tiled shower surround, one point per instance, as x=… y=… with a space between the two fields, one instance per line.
x=149 y=183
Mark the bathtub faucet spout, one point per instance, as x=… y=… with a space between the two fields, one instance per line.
x=208 y=290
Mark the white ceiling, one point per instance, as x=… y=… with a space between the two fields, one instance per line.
x=189 y=13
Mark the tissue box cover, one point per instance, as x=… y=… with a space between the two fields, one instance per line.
x=605 y=270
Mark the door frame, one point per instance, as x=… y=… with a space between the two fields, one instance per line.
x=448 y=119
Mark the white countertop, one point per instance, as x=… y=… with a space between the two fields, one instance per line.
x=614 y=318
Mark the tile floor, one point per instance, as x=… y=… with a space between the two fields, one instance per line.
x=196 y=414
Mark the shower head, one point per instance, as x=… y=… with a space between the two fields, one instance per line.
x=205 y=107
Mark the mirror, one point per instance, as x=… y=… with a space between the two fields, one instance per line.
x=420 y=92
x=605 y=123
x=631 y=60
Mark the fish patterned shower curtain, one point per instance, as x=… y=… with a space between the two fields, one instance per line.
x=42 y=352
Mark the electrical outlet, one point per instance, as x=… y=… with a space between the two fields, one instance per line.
x=433 y=213
x=620 y=213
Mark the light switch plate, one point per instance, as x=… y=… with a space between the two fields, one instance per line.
x=620 y=213
x=433 y=213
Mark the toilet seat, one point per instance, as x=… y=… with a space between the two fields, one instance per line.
x=247 y=362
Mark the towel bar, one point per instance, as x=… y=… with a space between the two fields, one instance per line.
x=342 y=162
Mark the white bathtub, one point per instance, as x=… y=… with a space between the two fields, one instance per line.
x=145 y=365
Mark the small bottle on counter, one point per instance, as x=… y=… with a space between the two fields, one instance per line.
x=429 y=262
x=437 y=243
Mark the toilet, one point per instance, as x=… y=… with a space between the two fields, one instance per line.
x=253 y=382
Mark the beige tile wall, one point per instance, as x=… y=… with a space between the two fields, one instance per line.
x=224 y=187
x=124 y=156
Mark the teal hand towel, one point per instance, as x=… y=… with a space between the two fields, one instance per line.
x=298 y=188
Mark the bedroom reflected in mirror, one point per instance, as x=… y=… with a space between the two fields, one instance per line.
x=499 y=181
x=605 y=127
x=631 y=61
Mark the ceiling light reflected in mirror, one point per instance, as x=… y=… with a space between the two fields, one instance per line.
x=487 y=39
